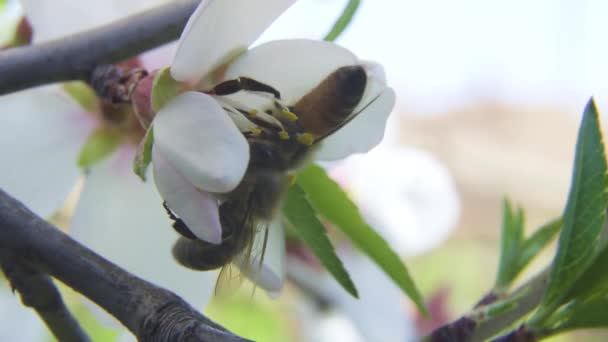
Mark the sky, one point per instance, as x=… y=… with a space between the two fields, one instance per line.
x=439 y=53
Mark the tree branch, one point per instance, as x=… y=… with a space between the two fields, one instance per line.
x=149 y=312
x=75 y=57
x=38 y=292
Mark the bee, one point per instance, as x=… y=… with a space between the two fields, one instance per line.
x=278 y=148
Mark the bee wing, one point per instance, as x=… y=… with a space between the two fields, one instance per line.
x=348 y=119
x=229 y=280
x=232 y=275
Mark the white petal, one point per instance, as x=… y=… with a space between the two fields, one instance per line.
x=198 y=209
x=122 y=219
x=271 y=274
x=220 y=29
x=41 y=133
x=378 y=314
x=361 y=134
x=59 y=18
x=293 y=67
x=406 y=194
x=200 y=140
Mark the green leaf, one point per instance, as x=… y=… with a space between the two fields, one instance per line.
x=594 y=281
x=345 y=18
x=539 y=240
x=511 y=239
x=83 y=94
x=164 y=89
x=583 y=217
x=143 y=155
x=332 y=203
x=302 y=217
x=100 y=144
x=579 y=315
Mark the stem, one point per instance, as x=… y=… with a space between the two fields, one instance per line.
x=75 y=57
x=149 y=312
x=483 y=324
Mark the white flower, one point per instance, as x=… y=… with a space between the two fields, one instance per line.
x=405 y=193
x=42 y=131
x=200 y=152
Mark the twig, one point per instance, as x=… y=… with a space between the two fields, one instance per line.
x=38 y=292
x=149 y=312
x=75 y=57
x=480 y=324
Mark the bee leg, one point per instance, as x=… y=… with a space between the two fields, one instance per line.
x=179 y=225
x=242 y=83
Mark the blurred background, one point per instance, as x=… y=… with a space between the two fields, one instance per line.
x=489 y=97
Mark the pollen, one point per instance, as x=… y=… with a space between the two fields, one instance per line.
x=283 y=135
x=306 y=139
x=255 y=131
x=253 y=112
x=291 y=179
x=291 y=116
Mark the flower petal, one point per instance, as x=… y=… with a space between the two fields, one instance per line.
x=122 y=219
x=293 y=67
x=271 y=274
x=220 y=29
x=77 y=15
x=361 y=134
x=406 y=194
x=198 y=209
x=198 y=138
x=41 y=129
x=377 y=313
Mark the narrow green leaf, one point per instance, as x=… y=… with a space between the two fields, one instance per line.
x=332 y=203
x=345 y=18
x=580 y=315
x=164 y=89
x=100 y=144
x=583 y=217
x=303 y=219
x=143 y=156
x=83 y=94
x=539 y=240
x=510 y=242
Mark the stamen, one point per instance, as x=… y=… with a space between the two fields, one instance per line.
x=255 y=131
x=291 y=116
x=283 y=135
x=253 y=112
x=291 y=179
x=306 y=139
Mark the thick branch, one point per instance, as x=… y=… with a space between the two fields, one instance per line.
x=75 y=57
x=38 y=292
x=149 y=312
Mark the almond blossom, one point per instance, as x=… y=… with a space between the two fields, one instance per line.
x=200 y=151
x=43 y=131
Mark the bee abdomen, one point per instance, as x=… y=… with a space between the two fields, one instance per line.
x=199 y=255
x=332 y=101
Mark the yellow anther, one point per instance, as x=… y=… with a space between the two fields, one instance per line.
x=306 y=139
x=291 y=179
x=284 y=135
x=291 y=116
x=255 y=131
x=253 y=112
